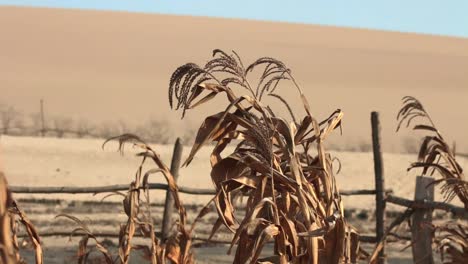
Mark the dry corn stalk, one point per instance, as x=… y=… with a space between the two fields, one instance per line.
x=435 y=155
x=7 y=249
x=83 y=251
x=280 y=165
x=176 y=249
x=452 y=242
x=9 y=211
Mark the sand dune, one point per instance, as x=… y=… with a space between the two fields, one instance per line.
x=114 y=65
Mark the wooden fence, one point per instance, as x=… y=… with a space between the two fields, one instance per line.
x=423 y=204
x=41 y=128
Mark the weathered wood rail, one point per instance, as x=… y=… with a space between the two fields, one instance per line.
x=426 y=204
x=151 y=186
x=363 y=238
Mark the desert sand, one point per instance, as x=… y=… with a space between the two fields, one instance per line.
x=101 y=66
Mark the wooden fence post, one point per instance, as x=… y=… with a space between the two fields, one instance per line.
x=169 y=205
x=42 y=118
x=379 y=184
x=421 y=232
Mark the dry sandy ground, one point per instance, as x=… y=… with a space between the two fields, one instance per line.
x=82 y=162
x=114 y=65
x=207 y=255
x=106 y=218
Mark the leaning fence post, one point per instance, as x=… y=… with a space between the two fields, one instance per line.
x=421 y=231
x=169 y=204
x=42 y=118
x=379 y=185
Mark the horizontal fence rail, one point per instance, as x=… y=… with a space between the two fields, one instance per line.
x=105 y=189
x=362 y=238
x=459 y=211
x=23 y=131
x=151 y=186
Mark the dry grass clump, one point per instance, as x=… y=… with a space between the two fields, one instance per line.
x=281 y=166
x=452 y=242
x=435 y=155
x=7 y=249
x=10 y=216
x=84 y=251
x=136 y=203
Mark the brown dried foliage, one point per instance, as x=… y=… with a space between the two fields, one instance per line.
x=452 y=242
x=10 y=216
x=136 y=204
x=83 y=249
x=281 y=166
x=7 y=249
x=435 y=155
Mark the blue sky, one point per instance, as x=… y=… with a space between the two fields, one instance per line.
x=438 y=17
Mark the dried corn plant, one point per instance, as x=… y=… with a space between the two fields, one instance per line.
x=435 y=155
x=10 y=216
x=84 y=251
x=18 y=216
x=8 y=254
x=178 y=248
x=452 y=242
x=281 y=166
x=136 y=204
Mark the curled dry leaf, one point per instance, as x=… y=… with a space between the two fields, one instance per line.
x=434 y=155
x=136 y=204
x=10 y=216
x=8 y=253
x=452 y=242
